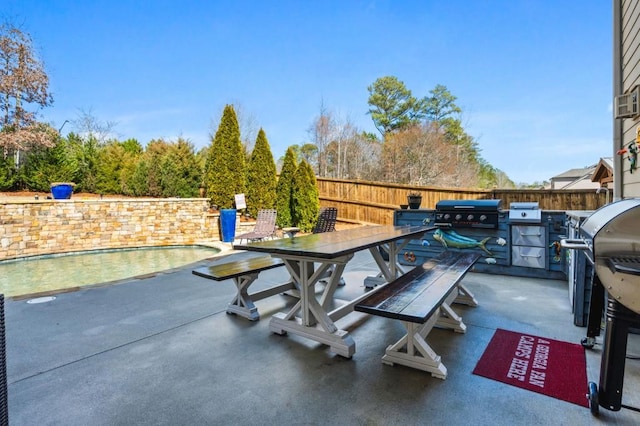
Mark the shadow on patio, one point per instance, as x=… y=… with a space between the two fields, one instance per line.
x=162 y=350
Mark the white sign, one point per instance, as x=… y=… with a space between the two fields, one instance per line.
x=240 y=201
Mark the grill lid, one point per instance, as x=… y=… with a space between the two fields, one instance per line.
x=468 y=213
x=613 y=235
x=466 y=205
x=619 y=217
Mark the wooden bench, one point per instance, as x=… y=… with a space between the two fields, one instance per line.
x=421 y=299
x=244 y=272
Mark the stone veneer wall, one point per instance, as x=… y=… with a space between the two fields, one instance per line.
x=29 y=228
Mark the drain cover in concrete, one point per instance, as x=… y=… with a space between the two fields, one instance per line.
x=41 y=299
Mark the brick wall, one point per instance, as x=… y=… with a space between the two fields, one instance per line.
x=37 y=227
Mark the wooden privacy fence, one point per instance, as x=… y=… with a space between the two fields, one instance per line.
x=375 y=202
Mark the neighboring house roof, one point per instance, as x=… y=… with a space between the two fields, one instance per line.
x=574 y=173
x=603 y=174
x=595 y=176
x=575 y=179
x=581 y=183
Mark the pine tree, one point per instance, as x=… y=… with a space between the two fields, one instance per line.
x=261 y=177
x=46 y=165
x=284 y=189
x=306 y=199
x=179 y=171
x=225 y=168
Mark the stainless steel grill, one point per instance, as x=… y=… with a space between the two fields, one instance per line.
x=611 y=241
x=527 y=212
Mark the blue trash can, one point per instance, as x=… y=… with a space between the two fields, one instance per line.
x=228 y=224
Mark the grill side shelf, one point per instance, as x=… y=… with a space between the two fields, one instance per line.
x=624 y=264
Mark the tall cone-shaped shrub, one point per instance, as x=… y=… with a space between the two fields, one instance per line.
x=225 y=167
x=261 y=177
x=306 y=200
x=284 y=201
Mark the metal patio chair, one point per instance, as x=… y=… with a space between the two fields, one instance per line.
x=265 y=226
x=327 y=223
x=326 y=220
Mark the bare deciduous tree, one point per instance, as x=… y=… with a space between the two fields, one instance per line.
x=342 y=150
x=89 y=126
x=421 y=155
x=321 y=132
x=24 y=84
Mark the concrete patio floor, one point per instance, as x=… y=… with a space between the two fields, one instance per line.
x=162 y=351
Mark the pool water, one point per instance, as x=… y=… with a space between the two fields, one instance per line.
x=50 y=273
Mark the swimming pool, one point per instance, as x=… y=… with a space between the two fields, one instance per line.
x=58 y=272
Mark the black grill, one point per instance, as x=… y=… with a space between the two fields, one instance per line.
x=468 y=213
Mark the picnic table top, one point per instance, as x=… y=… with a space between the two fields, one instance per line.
x=330 y=245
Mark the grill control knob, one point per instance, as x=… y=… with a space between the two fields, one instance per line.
x=470 y=217
x=458 y=216
x=483 y=218
x=447 y=216
x=523 y=214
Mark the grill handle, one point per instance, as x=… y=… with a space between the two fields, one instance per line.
x=623 y=265
x=574 y=244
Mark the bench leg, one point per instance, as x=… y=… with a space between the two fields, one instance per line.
x=449 y=319
x=242 y=304
x=465 y=297
x=413 y=351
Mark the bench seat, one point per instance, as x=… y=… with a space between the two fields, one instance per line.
x=244 y=272
x=421 y=299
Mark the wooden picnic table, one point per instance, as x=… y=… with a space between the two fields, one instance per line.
x=310 y=317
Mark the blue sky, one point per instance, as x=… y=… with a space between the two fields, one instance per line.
x=533 y=77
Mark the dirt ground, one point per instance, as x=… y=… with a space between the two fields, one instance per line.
x=28 y=195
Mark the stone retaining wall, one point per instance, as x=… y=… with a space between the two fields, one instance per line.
x=29 y=228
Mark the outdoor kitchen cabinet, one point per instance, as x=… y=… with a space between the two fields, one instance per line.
x=499 y=243
x=528 y=246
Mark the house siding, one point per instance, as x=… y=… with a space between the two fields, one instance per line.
x=626 y=76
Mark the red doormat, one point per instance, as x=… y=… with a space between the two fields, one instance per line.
x=550 y=367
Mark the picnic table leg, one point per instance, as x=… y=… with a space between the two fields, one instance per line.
x=335 y=281
x=314 y=322
x=391 y=269
x=388 y=271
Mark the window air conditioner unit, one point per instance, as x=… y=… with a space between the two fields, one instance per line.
x=627 y=104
